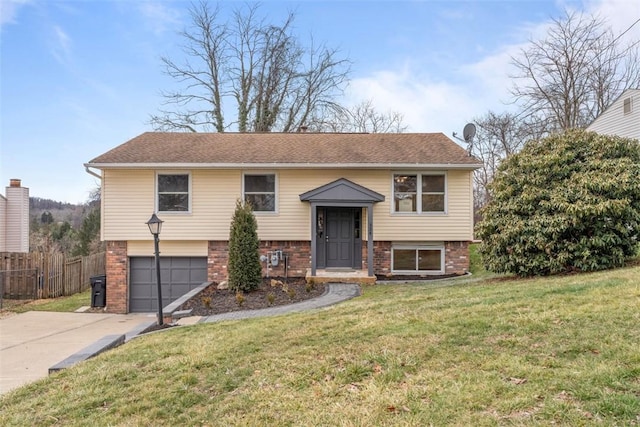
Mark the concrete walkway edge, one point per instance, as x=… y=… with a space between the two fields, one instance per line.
x=336 y=292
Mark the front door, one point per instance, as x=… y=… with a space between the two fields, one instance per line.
x=339 y=244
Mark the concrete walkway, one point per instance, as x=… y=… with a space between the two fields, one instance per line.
x=33 y=342
x=336 y=292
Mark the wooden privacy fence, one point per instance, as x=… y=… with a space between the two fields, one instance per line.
x=47 y=275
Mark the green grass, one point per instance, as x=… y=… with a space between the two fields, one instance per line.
x=62 y=304
x=560 y=350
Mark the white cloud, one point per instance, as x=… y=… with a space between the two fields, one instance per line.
x=159 y=17
x=429 y=105
x=620 y=15
x=61 y=46
x=9 y=10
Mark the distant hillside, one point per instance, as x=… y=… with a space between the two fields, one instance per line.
x=60 y=211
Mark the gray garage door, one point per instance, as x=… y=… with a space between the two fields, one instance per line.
x=178 y=276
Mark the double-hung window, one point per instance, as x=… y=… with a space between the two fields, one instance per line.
x=260 y=191
x=173 y=192
x=419 y=193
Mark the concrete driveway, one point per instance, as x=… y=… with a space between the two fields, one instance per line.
x=32 y=342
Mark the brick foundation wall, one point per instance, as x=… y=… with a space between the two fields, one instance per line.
x=117 y=291
x=456 y=257
x=381 y=257
x=217 y=260
x=299 y=253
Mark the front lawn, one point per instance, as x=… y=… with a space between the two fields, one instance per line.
x=543 y=351
x=62 y=304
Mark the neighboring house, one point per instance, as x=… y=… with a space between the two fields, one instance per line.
x=379 y=204
x=14 y=218
x=622 y=118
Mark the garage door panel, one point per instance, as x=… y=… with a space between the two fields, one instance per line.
x=178 y=290
x=178 y=275
x=142 y=276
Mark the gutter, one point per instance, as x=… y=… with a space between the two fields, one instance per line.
x=275 y=165
x=90 y=172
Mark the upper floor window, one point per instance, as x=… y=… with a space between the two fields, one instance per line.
x=419 y=193
x=260 y=191
x=173 y=192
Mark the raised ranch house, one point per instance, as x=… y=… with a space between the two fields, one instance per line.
x=363 y=204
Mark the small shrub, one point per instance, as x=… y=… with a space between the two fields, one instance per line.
x=245 y=270
x=291 y=293
x=206 y=301
x=271 y=298
x=240 y=299
x=309 y=287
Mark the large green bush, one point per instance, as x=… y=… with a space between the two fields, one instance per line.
x=570 y=202
x=245 y=270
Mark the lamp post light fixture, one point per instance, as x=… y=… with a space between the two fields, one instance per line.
x=155 y=225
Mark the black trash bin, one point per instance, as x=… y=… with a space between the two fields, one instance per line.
x=98 y=291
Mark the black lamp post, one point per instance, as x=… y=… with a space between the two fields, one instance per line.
x=155 y=225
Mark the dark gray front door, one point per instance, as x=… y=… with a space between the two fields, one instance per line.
x=340 y=237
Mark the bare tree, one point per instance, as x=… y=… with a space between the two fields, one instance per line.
x=249 y=73
x=497 y=137
x=362 y=117
x=568 y=78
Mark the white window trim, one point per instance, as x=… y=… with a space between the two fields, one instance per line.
x=419 y=193
x=157 y=198
x=417 y=247
x=275 y=189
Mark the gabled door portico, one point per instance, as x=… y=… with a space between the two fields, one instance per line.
x=336 y=236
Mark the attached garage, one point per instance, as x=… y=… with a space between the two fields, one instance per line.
x=178 y=276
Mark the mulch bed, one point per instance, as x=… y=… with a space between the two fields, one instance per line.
x=272 y=292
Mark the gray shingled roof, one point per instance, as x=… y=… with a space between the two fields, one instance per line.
x=313 y=149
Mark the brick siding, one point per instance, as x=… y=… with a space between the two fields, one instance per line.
x=117 y=290
x=456 y=257
x=298 y=253
x=299 y=261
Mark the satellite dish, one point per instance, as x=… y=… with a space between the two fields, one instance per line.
x=469 y=132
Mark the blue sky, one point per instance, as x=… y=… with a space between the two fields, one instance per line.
x=78 y=78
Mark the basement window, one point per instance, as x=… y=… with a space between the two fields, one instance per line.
x=407 y=259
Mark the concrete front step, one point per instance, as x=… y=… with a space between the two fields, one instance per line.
x=341 y=276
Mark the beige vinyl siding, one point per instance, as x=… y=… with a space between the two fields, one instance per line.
x=293 y=219
x=129 y=201
x=455 y=224
x=129 y=198
x=167 y=248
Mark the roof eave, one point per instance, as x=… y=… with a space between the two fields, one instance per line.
x=461 y=166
